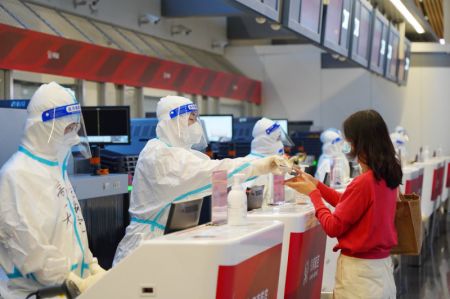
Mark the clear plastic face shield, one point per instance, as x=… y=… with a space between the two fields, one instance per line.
x=190 y=128
x=67 y=125
x=277 y=134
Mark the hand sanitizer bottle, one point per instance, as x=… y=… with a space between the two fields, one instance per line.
x=237 y=202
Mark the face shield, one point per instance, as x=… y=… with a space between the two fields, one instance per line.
x=278 y=134
x=67 y=128
x=189 y=126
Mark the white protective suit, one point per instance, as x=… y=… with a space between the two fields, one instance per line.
x=267 y=142
x=332 y=148
x=399 y=139
x=169 y=170
x=42 y=230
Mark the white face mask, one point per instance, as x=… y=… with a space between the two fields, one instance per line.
x=195 y=133
x=346 y=148
x=71 y=139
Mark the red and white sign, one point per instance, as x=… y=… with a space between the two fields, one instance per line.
x=255 y=278
x=305 y=264
x=438 y=178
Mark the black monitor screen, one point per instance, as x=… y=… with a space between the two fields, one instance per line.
x=333 y=21
x=364 y=32
x=310 y=14
x=183 y=215
x=304 y=17
x=379 y=43
x=337 y=26
x=361 y=32
x=376 y=42
x=404 y=63
x=107 y=124
x=392 y=54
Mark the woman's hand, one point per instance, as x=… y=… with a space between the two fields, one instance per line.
x=305 y=176
x=301 y=184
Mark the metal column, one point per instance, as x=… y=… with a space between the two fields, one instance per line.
x=139 y=95
x=80 y=92
x=6 y=84
x=101 y=93
x=120 y=95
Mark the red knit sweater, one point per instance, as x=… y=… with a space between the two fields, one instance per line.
x=363 y=221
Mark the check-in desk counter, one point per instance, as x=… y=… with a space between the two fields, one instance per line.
x=412 y=181
x=303 y=250
x=446 y=181
x=201 y=263
x=433 y=177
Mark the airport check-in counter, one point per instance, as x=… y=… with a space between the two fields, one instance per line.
x=412 y=181
x=200 y=263
x=446 y=181
x=303 y=251
x=433 y=176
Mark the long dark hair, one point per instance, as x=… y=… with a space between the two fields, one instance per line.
x=369 y=136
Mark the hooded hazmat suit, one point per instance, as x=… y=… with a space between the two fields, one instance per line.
x=169 y=170
x=332 y=148
x=42 y=230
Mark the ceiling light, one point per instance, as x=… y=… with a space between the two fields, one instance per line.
x=442 y=41
x=408 y=16
x=260 y=20
x=275 y=26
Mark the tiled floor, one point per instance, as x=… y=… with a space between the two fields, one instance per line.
x=432 y=279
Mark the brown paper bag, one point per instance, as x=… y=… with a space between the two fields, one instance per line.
x=408 y=222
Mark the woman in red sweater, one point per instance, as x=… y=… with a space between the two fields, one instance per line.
x=363 y=219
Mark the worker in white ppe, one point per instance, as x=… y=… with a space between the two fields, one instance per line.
x=269 y=139
x=399 y=139
x=169 y=170
x=332 y=150
x=43 y=237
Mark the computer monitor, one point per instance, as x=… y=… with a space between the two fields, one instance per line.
x=404 y=63
x=183 y=215
x=219 y=128
x=337 y=23
x=107 y=124
x=392 y=54
x=380 y=31
x=362 y=28
x=304 y=17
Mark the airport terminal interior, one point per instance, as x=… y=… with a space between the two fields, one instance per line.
x=225 y=149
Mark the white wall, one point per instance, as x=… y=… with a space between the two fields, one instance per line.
x=126 y=13
x=295 y=86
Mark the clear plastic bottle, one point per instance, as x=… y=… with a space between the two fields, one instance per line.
x=337 y=173
x=237 y=202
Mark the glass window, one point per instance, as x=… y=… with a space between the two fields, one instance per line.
x=6 y=18
x=26 y=16
x=91 y=31
x=158 y=48
x=66 y=29
x=117 y=37
x=140 y=44
x=178 y=54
